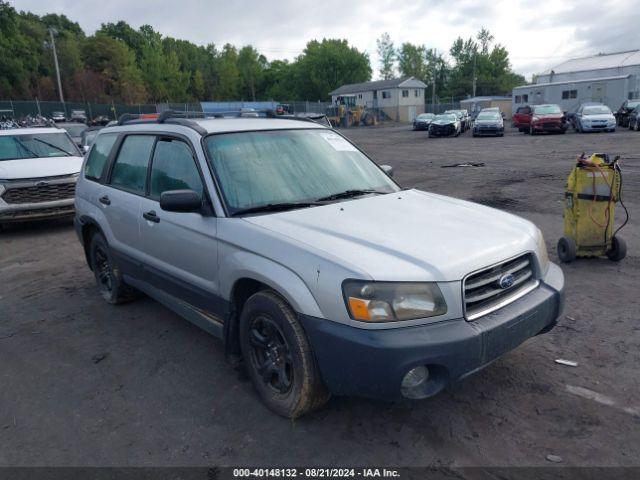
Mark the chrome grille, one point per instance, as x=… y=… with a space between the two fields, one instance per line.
x=39 y=194
x=483 y=292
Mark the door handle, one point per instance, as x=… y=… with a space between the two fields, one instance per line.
x=104 y=200
x=151 y=216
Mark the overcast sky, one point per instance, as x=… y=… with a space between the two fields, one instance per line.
x=537 y=33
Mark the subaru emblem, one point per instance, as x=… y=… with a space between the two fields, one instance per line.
x=507 y=280
x=41 y=183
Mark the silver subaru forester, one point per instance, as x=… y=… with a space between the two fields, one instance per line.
x=284 y=239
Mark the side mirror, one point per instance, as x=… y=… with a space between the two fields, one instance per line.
x=85 y=148
x=388 y=169
x=180 y=201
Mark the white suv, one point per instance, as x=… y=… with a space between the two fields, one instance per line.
x=38 y=172
x=284 y=239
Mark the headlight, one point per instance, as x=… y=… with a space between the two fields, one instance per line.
x=2 y=187
x=535 y=119
x=392 y=301
x=543 y=256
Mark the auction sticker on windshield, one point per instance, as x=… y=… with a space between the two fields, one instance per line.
x=337 y=142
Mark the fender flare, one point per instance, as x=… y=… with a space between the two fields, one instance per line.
x=288 y=284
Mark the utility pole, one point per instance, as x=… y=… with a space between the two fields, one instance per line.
x=433 y=80
x=55 y=61
x=474 y=73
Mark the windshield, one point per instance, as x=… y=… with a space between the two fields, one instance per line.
x=596 y=110
x=447 y=117
x=489 y=116
x=268 y=167
x=546 y=109
x=75 y=130
x=13 y=147
x=632 y=105
x=425 y=116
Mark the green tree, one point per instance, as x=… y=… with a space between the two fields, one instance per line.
x=251 y=66
x=115 y=63
x=387 y=56
x=412 y=61
x=228 y=87
x=324 y=66
x=198 y=85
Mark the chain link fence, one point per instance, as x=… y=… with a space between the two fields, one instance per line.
x=19 y=109
x=441 y=107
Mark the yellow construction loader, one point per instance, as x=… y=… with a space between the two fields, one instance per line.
x=346 y=113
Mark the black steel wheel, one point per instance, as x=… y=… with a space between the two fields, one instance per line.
x=566 y=249
x=107 y=274
x=278 y=356
x=270 y=354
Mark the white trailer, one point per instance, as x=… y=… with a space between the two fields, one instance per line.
x=570 y=94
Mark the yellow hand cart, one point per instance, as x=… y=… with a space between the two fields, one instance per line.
x=594 y=187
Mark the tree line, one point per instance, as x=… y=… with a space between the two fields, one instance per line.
x=477 y=58
x=122 y=64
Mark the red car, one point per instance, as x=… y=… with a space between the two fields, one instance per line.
x=547 y=118
x=522 y=118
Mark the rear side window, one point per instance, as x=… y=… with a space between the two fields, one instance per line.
x=98 y=157
x=173 y=168
x=130 y=169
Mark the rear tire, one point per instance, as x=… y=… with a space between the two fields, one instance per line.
x=618 y=249
x=278 y=356
x=107 y=274
x=566 y=250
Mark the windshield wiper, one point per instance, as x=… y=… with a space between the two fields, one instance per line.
x=348 y=194
x=69 y=154
x=22 y=144
x=274 y=207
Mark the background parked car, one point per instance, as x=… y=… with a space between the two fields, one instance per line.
x=445 y=125
x=622 y=115
x=38 y=172
x=87 y=138
x=58 y=117
x=547 y=118
x=488 y=122
x=74 y=130
x=634 y=120
x=594 y=118
x=463 y=118
x=522 y=118
x=422 y=121
x=100 y=120
x=78 y=116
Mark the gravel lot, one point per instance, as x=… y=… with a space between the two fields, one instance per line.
x=86 y=383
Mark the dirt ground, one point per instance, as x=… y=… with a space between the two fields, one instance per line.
x=86 y=383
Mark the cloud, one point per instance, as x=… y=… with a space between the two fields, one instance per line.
x=537 y=33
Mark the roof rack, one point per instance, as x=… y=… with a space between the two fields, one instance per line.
x=185 y=118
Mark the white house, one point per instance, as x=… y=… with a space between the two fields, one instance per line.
x=610 y=79
x=400 y=98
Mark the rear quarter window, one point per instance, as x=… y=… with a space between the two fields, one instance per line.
x=130 y=168
x=98 y=156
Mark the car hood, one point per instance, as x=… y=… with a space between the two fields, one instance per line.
x=601 y=116
x=408 y=235
x=488 y=122
x=443 y=122
x=549 y=116
x=39 y=167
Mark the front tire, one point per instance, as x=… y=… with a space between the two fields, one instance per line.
x=107 y=274
x=278 y=356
